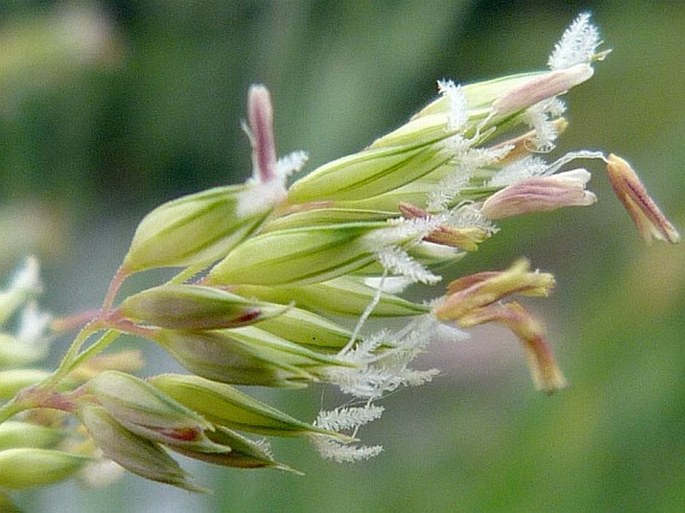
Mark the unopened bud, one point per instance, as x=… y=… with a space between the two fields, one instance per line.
x=244 y=453
x=28 y=467
x=191 y=307
x=540 y=194
x=542 y=87
x=226 y=406
x=308 y=329
x=24 y=434
x=324 y=215
x=341 y=296
x=14 y=380
x=369 y=173
x=297 y=256
x=136 y=454
x=648 y=218
x=147 y=412
x=247 y=356
x=193 y=230
x=480 y=95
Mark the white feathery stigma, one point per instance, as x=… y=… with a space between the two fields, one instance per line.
x=540 y=117
x=468 y=216
x=518 y=170
x=397 y=261
x=291 y=163
x=578 y=44
x=466 y=164
x=346 y=419
x=458 y=110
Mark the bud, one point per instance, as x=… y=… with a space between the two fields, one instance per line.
x=369 y=173
x=136 y=454
x=247 y=356
x=226 y=406
x=471 y=293
x=14 y=380
x=147 y=412
x=414 y=192
x=543 y=367
x=308 y=329
x=542 y=87
x=192 y=307
x=650 y=221
x=298 y=256
x=244 y=453
x=346 y=295
x=420 y=130
x=540 y=194
x=27 y=467
x=24 y=434
x=481 y=95
x=326 y=216
x=193 y=230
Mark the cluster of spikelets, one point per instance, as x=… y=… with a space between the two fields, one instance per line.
x=269 y=274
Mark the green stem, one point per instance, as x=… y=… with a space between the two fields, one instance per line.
x=186 y=274
x=33 y=396
x=114 y=286
x=67 y=363
x=11 y=408
x=96 y=347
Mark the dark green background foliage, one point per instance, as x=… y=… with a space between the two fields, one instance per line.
x=88 y=145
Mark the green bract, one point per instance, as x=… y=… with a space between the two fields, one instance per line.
x=244 y=453
x=147 y=412
x=136 y=454
x=27 y=467
x=480 y=95
x=13 y=380
x=297 y=256
x=247 y=356
x=194 y=307
x=340 y=296
x=308 y=329
x=226 y=406
x=23 y=434
x=368 y=173
x=193 y=230
x=327 y=216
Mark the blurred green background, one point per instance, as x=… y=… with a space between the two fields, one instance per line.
x=109 y=108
